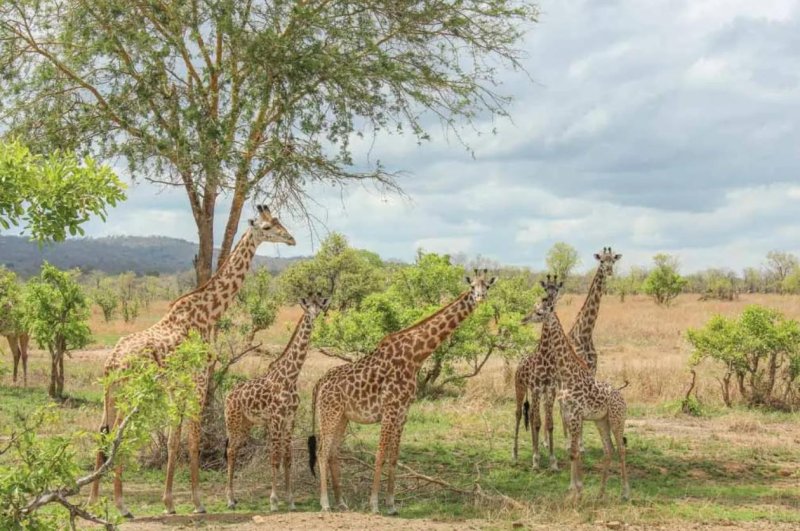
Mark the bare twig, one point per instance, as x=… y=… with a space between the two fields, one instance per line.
x=335 y=355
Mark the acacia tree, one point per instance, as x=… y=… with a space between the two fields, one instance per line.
x=664 y=283
x=248 y=98
x=57 y=314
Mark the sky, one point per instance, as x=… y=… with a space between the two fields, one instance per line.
x=648 y=125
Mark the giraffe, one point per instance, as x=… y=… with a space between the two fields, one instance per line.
x=11 y=326
x=198 y=310
x=380 y=388
x=584 y=398
x=271 y=400
x=535 y=376
x=580 y=335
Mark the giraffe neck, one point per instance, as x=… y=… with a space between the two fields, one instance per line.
x=587 y=317
x=294 y=355
x=433 y=331
x=571 y=368
x=212 y=298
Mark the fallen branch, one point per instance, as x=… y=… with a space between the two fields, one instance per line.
x=476 y=491
x=60 y=495
x=335 y=355
x=474 y=372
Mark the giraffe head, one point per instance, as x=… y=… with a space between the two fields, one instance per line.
x=545 y=307
x=607 y=259
x=267 y=228
x=314 y=305
x=480 y=284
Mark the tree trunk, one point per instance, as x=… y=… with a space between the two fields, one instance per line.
x=239 y=196
x=56 y=387
x=60 y=379
x=205 y=255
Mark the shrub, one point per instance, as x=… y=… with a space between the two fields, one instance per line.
x=664 y=283
x=760 y=351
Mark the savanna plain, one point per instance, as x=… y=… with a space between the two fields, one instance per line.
x=724 y=468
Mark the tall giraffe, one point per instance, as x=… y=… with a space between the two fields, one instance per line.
x=11 y=326
x=198 y=310
x=536 y=376
x=580 y=335
x=380 y=388
x=583 y=398
x=271 y=400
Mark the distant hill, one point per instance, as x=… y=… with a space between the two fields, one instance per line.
x=115 y=254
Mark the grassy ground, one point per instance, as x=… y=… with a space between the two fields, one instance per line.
x=727 y=466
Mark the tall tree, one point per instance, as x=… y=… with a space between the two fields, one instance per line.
x=248 y=98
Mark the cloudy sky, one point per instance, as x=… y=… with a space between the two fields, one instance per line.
x=651 y=125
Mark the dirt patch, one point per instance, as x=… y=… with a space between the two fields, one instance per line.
x=359 y=521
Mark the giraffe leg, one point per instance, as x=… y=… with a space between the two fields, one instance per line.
x=576 y=474
x=520 y=398
x=392 y=461
x=14 y=346
x=335 y=467
x=605 y=437
x=287 y=466
x=194 y=463
x=173 y=448
x=109 y=418
x=548 y=425
x=389 y=429
x=24 y=339
x=237 y=434
x=328 y=423
x=276 y=455
x=618 y=428
x=536 y=423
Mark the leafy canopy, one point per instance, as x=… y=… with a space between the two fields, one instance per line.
x=664 y=283
x=53 y=196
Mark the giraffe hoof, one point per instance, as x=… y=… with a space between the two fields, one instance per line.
x=391 y=511
x=127 y=515
x=232 y=505
x=342 y=507
x=169 y=511
x=200 y=510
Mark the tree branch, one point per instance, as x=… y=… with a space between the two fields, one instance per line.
x=335 y=355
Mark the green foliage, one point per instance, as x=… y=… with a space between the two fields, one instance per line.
x=57 y=315
x=11 y=308
x=107 y=300
x=258 y=300
x=418 y=291
x=562 y=259
x=780 y=265
x=664 y=283
x=150 y=396
x=791 y=284
x=53 y=195
x=760 y=350
x=353 y=273
x=628 y=284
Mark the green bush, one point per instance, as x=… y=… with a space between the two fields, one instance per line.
x=664 y=283
x=760 y=351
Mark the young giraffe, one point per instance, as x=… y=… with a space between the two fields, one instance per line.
x=198 y=310
x=583 y=398
x=535 y=376
x=271 y=400
x=380 y=388
x=580 y=335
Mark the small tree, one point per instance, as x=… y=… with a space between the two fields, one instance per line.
x=354 y=273
x=628 y=284
x=562 y=259
x=55 y=195
x=108 y=301
x=779 y=266
x=57 y=314
x=760 y=350
x=664 y=283
x=791 y=284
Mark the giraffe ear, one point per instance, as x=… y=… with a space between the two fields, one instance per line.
x=617 y=256
x=325 y=302
x=492 y=281
x=561 y=284
x=252 y=222
x=541 y=283
x=596 y=256
x=468 y=280
x=303 y=302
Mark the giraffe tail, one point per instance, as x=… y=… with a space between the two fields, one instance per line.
x=526 y=410
x=312 y=439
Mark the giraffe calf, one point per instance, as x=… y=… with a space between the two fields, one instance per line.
x=271 y=400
